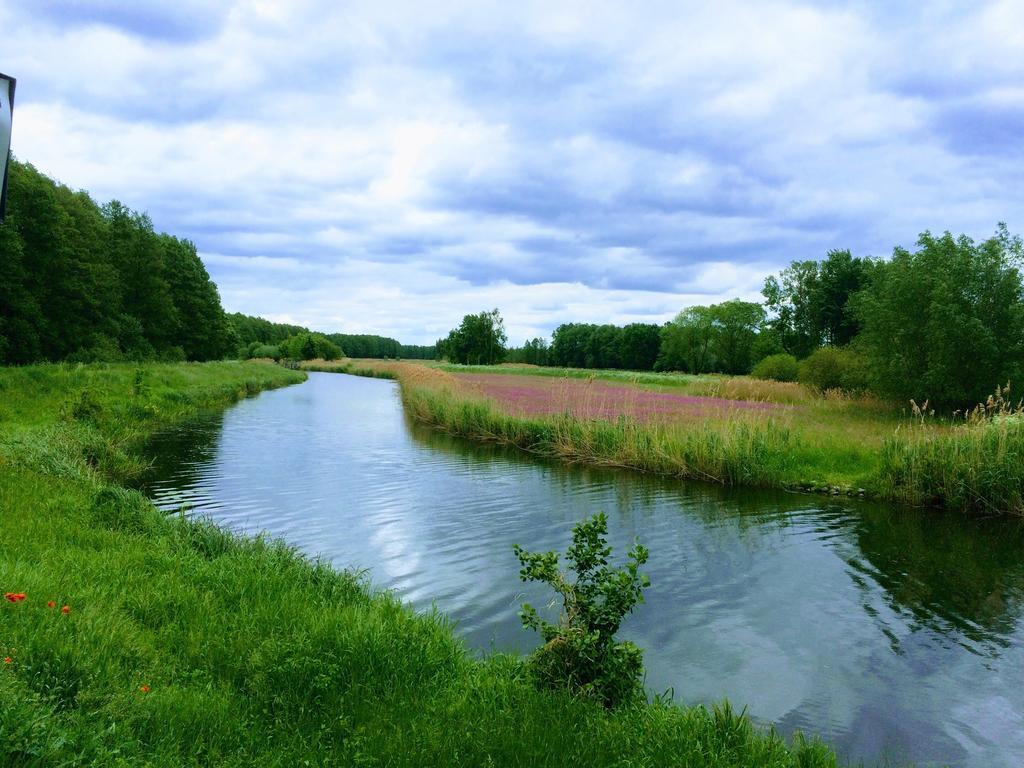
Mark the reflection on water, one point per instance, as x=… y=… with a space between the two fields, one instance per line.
x=895 y=634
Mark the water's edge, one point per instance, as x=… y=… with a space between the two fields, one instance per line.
x=889 y=632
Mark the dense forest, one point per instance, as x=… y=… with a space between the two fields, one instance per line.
x=367 y=345
x=81 y=281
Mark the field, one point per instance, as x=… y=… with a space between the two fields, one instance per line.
x=131 y=638
x=730 y=430
x=588 y=399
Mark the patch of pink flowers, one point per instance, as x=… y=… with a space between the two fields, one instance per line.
x=593 y=399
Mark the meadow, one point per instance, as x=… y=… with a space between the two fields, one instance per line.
x=128 y=637
x=729 y=430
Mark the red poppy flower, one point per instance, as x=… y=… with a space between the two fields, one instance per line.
x=51 y=604
x=144 y=689
x=66 y=610
x=14 y=597
x=7 y=659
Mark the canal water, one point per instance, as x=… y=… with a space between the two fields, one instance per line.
x=894 y=634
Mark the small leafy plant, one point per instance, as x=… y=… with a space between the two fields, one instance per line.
x=580 y=653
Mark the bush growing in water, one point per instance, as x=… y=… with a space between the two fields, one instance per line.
x=580 y=652
x=834 y=368
x=780 y=367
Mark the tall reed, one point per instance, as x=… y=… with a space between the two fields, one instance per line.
x=737 y=452
x=977 y=466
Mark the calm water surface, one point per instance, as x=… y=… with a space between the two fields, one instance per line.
x=894 y=634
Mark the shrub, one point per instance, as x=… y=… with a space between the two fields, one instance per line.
x=309 y=346
x=84 y=407
x=779 y=367
x=264 y=350
x=834 y=368
x=580 y=652
x=103 y=349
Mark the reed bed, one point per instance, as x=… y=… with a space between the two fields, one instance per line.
x=977 y=465
x=740 y=453
x=745 y=388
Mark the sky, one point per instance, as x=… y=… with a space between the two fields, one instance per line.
x=388 y=167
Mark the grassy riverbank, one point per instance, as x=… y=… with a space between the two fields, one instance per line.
x=798 y=439
x=184 y=645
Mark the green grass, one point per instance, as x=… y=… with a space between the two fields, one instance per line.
x=252 y=654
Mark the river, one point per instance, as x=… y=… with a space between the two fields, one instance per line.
x=894 y=634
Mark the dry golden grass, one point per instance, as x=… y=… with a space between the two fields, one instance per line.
x=750 y=389
x=414 y=374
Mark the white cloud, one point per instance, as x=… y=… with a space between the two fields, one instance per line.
x=378 y=167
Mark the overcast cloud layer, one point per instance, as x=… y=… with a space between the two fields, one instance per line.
x=388 y=167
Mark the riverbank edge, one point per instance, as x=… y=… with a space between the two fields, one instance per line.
x=527 y=435
x=68 y=523
x=978 y=469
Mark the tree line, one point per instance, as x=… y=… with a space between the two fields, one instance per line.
x=943 y=322
x=369 y=345
x=258 y=337
x=82 y=281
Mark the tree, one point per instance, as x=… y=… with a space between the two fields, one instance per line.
x=945 y=322
x=145 y=291
x=639 y=346
x=791 y=298
x=249 y=329
x=580 y=653
x=533 y=352
x=479 y=340
x=810 y=302
x=603 y=347
x=721 y=337
x=309 y=346
x=203 y=330
x=840 y=277
x=686 y=342
x=367 y=345
x=735 y=327
x=20 y=315
x=84 y=282
x=569 y=345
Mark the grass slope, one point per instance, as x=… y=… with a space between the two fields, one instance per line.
x=185 y=645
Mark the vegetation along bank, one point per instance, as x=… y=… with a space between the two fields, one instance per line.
x=796 y=438
x=146 y=639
